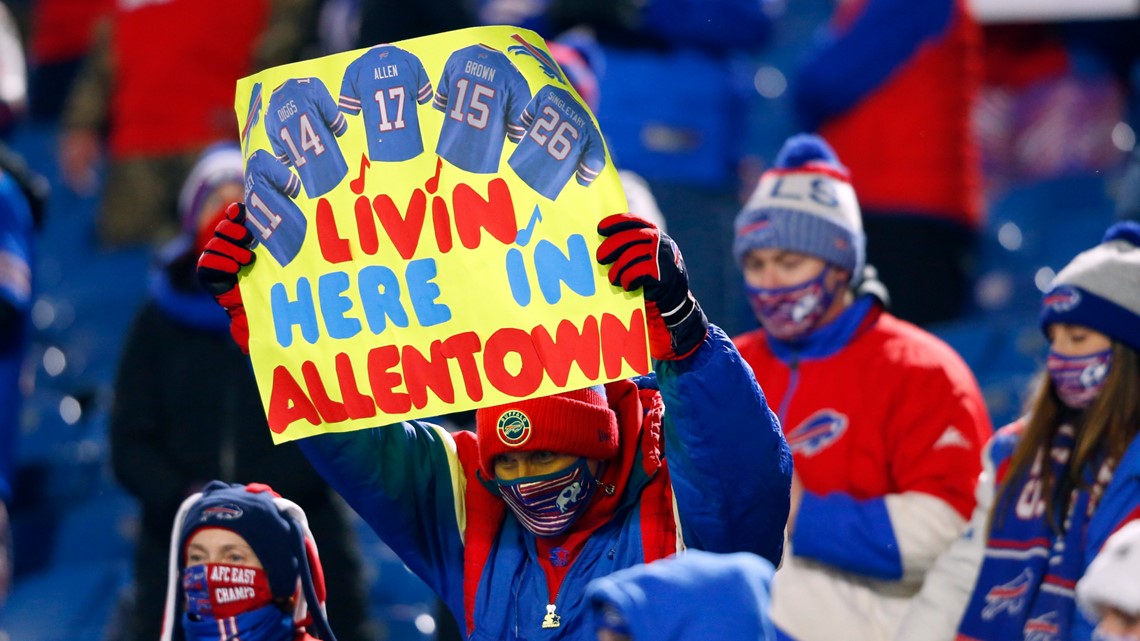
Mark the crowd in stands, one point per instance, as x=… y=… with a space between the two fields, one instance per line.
x=909 y=303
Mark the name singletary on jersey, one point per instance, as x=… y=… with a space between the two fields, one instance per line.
x=270 y=213
x=302 y=122
x=561 y=140
x=482 y=95
x=386 y=83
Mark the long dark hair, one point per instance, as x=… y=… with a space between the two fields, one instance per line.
x=1105 y=428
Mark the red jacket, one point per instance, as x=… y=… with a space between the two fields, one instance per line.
x=175 y=64
x=886 y=425
x=905 y=133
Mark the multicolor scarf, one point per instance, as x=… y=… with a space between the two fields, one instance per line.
x=1025 y=589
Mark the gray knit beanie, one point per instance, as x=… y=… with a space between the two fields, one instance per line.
x=805 y=203
x=1100 y=288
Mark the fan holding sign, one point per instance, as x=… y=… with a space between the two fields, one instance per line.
x=567 y=478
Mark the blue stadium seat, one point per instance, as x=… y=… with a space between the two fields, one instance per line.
x=64 y=603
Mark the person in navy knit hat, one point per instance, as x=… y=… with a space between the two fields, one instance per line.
x=1061 y=479
x=884 y=420
x=244 y=565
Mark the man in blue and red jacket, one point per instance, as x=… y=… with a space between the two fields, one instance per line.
x=884 y=420
x=509 y=525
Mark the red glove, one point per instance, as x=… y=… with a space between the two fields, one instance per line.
x=641 y=255
x=218 y=266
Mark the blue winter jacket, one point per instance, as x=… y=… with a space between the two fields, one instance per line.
x=711 y=472
x=694 y=595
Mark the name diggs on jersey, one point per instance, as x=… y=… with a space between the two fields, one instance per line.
x=287 y=110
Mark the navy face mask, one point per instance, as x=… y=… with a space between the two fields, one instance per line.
x=548 y=504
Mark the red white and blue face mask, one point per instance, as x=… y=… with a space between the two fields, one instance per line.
x=230 y=602
x=790 y=313
x=548 y=504
x=1078 y=379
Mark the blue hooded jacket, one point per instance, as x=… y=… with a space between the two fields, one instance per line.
x=694 y=595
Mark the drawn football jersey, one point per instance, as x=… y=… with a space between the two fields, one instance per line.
x=481 y=94
x=302 y=122
x=561 y=140
x=270 y=213
x=386 y=84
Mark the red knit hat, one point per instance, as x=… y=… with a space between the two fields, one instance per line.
x=579 y=423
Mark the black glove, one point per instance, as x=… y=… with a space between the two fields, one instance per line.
x=641 y=255
x=218 y=266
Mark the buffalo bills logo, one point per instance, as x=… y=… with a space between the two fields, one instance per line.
x=1042 y=628
x=817 y=433
x=252 y=116
x=758 y=226
x=545 y=61
x=223 y=512
x=1008 y=597
x=514 y=428
x=1062 y=299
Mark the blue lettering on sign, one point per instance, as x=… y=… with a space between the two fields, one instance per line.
x=424 y=292
x=516 y=277
x=334 y=304
x=287 y=313
x=380 y=297
x=573 y=268
x=552 y=268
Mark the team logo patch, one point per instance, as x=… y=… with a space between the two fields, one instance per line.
x=223 y=512
x=758 y=226
x=817 y=432
x=1008 y=597
x=1062 y=299
x=514 y=428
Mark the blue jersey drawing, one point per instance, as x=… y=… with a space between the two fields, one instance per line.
x=270 y=213
x=561 y=140
x=302 y=121
x=387 y=83
x=482 y=95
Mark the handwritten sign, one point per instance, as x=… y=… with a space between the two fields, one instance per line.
x=425 y=213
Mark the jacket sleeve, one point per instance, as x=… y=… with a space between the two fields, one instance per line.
x=933 y=446
x=406 y=481
x=729 y=464
x=849 y=63
x=935 y=612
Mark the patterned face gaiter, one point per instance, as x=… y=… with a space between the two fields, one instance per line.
x=1079 y=379
x=548 y=504
x=230 y=602
x=790 y=313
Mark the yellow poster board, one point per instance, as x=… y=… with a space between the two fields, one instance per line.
x=425 y=215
